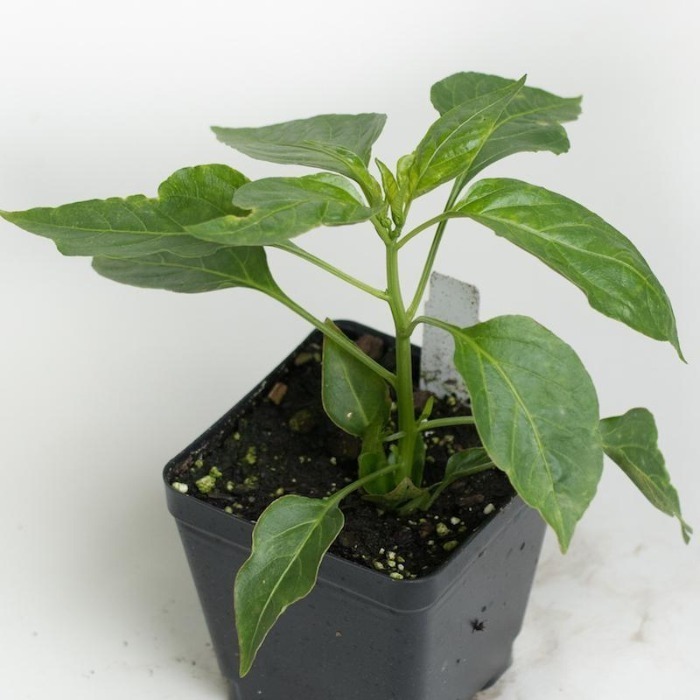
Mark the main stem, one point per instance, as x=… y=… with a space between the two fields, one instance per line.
x=404 y=370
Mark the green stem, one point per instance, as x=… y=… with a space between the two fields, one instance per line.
x=434 y=425
x=432 y=321
x=404 y=371
x=430 y=261
x=340 y=495
x=440 y=218
x=294 y=249
x=446 y=422
x=337 y=336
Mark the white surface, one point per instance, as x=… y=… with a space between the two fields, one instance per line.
x=456 y=302
x=102 y=99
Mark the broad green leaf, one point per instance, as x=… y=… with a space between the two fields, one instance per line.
x=138 y=225
x=307 y=141
x=454 y=141
x=354 y=168
x=530 y=122
x=354 y=397
x=536 y=411
x=630 y=441
x=289 y=541
x=280 y=208
x=579 y=245
x=227 y=267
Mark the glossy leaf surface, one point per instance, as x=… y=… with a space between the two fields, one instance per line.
x=630 y=441
x=536 y=411
x=280 y=208
x=530 y=122
x=289 y=541
x=354 y=397
x=313 y=142
x=579 y=245
x=139 y=225
x=222 y=269
x=454 y=141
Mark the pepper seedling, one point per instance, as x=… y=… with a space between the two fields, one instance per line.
x=533 y=403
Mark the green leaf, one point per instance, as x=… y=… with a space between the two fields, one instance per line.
x=228 y=267
x=405 y=497
x=466 y=463
x=392 y=193
x=630 y=441
x=280 y=208
x=454 y=141
x=536 y=411
x=138 y=225
x=460 y=465
x=354 y=397
x=530 y=122
x=579 y=245
x=289 y=541
x=310 y=142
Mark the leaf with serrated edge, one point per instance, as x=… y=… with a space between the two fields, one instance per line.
x=354 y=397
x=630 y=441
x=280 y=208
x=302 y=141
x=138 y=225
x=530 y=122
x=289 y=541
x=579 y=245
x=225 y=268
x=536 y=411
x=453 y=142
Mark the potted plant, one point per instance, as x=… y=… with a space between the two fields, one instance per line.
x=532 y=421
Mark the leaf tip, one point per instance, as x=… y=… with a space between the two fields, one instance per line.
x=676 y=346
x=686 y=531
x=245 y=665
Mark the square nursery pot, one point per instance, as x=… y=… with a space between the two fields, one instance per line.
x=361 y=635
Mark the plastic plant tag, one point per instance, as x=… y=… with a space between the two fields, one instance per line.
x=457 y=303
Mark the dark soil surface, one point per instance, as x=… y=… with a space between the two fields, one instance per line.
x=284 y=443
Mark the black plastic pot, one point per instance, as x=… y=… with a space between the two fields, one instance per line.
x=361 y=635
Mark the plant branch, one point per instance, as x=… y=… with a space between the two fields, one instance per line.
x=446 y=422
x=347 y=490
x=437 y=239
x=425 y=225
x=294 y=249
x=337 y=336
x=432 y=321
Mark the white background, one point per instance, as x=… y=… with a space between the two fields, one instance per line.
x=101 y=384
